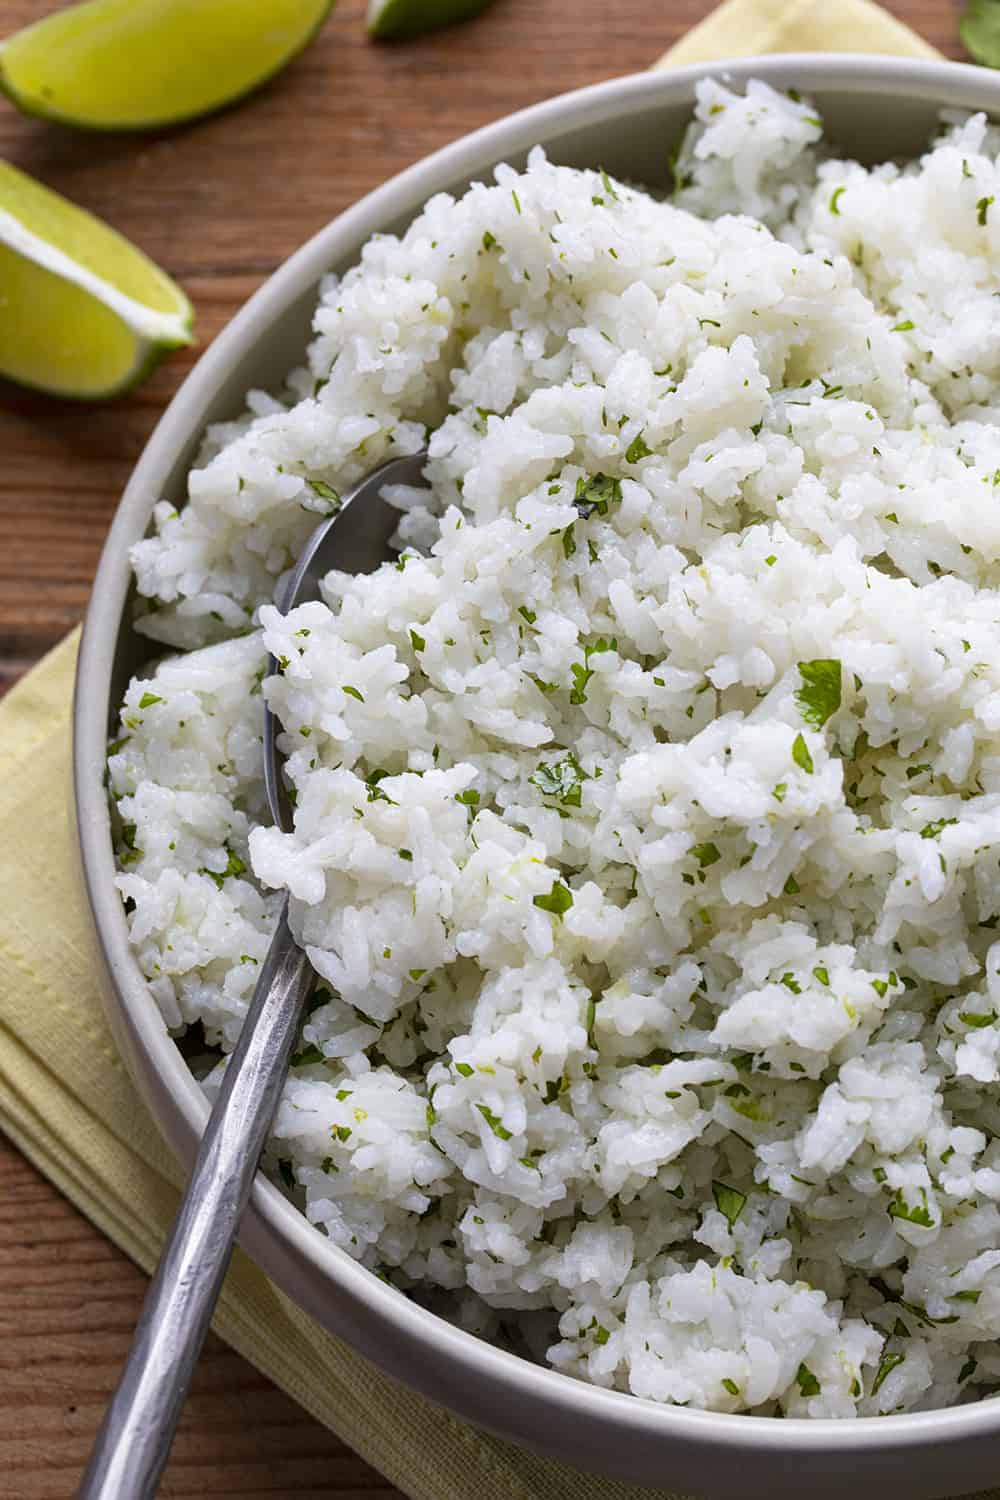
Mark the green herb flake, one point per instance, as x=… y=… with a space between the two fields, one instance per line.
x=887 y=1364
x=527 y=614
x=835 y=199
x=489 y=240
x=818 y=698
x=493 y=1121
x=406 y=854
x=595 y=493
x=416 y=641
x=601 y=1335
x=731 y=1386
x=771 y=559
x=906 y=326
x=325 y=492
x=729 y=1201
x=779 y=789
x=791 y=983
x=637 y=449
x=932 y=830
x=982 y=209
x=517 y=201
x=972 y=1296
x=822 y=974
x=310 y=1054
x=807 y=1382
x=801 y=756
x=148 y=699
x=791 y=887
x=465 y=1070
x=705 y=854
x=342 y=1132
x=468 y=798
x=913 y=1214
x=562 y=779
x=558 y=901
x=977 y=1020
x=353 y=692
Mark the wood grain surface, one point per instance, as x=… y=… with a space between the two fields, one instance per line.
x=220 y=204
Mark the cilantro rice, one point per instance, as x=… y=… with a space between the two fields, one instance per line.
x=647 y=827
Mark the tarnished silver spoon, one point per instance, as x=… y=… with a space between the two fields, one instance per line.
x=134 y=1441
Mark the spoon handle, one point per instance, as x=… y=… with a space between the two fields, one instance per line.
x=138 y=1428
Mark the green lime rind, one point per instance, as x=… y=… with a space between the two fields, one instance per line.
x=84 y=314
x=149 y=358
x=389 y=20
x=136 y=52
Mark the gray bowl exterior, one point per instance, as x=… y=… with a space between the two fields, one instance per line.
x=874 y=108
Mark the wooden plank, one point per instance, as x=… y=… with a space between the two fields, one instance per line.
x=220 y=204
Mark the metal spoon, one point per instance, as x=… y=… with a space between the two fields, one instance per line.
x=134 y=1441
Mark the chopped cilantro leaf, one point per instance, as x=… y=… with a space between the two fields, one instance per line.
x=819 y=696
x=558 y=901
x=493 y=1121
x=801 y=756
x=729 y=1201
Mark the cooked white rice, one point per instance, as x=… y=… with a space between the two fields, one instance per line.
x=648 y=807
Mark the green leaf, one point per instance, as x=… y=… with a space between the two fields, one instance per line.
x=310 y=1054
x=819 y=696
x=562 y=779
x=465 y=1070
x=353 y=693
x=917 y=1214
x=729 y=1201
x=887 y=1364
x=808 y=1384
x=581 y=676
x=596 y=492
x=416 y=641
x=493 y=1121
x=822 y=974
x=637 y=449
x=325 y=492
x=931 y=830
x=469 y=798
x=705 y=854
x=148 y=699
x=558 y=901
x=801 y=756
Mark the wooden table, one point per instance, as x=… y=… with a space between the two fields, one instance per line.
x=219 y=205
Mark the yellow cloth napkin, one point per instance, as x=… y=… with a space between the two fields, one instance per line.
x=65 y=1097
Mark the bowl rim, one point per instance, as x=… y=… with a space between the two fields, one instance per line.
x=275 y=1233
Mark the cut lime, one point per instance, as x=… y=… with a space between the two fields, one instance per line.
x=131 y=64
x=82 y=312
x=399 y=18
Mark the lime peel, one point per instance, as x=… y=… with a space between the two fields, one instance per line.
x=402 y=18
x=139 y=64
x=83 y=313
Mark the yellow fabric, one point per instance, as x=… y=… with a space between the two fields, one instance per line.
x=66 y=1100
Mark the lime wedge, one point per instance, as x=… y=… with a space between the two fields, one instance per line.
x=131 y=64
x=82 y=312
x=399 y=18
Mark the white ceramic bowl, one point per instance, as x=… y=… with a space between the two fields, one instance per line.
x=873 y=108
